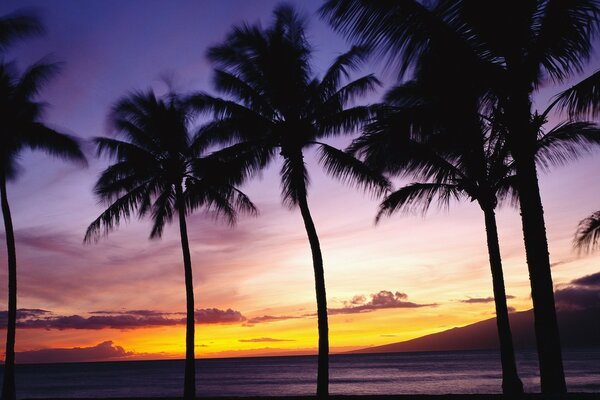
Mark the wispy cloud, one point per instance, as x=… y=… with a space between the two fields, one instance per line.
x=264 y=340
x=270 y=318
x=478 y=300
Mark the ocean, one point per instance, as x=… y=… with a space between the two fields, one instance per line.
x=393 y=373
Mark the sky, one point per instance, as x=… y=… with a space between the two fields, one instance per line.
x=124 y=298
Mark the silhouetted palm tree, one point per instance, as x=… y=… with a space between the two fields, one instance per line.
x=514 y=46
x=160 y=171
x=456 y=153
x=588 y=232
x=279 y=108
x=22 y=128
x=17 y=26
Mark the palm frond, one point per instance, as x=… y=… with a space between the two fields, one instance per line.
x=294 y=180
x=346 y=121
x=564 y=36
x=588 y=233
x=17 y=26
x=163 y=210
x=418 y=197
x=341 y=96
x=230 y=84
x=34 y=78
x=121 y=150
x=350 y=170
x=341 y=68
x=583 y=99
x=119 y=210
x=40 y=137
x=566 y=142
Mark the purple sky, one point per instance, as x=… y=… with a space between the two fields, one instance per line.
x=110 y=47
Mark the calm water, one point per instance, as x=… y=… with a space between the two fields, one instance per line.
x=434 y=373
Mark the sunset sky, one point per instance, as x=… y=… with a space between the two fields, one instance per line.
x=124 y=298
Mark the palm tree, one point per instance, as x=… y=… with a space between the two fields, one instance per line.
x=278 y=107
x=452 y=154
x=514 y=46
x=160 y=171
x=23 y=129
x=456 y=153
x=18 y=26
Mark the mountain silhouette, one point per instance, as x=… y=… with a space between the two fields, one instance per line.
x=578 y=328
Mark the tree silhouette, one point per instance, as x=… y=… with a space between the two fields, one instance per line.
x=160 y=171
x=588 y=233
x=21 y=117
x=277 y=107
x=513 y=47
x=18 y=26
x=456 y=153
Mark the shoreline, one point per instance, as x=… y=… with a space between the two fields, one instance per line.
x=526 y=396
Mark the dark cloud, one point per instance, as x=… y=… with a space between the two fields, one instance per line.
x=270 y=318
x=476 y=300
x=102 y=352
x=23 y=314
x=216 y=316
x=577 y=298
x=592 y=280
x=143 y=313
x=264 y=339
x=123 y=320
x=582 y=293
x=382 y=300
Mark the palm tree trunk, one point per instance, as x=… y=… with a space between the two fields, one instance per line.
x=189 y=384
x=323 y=359
x=522 y=140
x=552 y=374
x=511 y=384
x=8 y=386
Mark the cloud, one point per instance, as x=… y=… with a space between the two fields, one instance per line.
x=582 y=293
x=101 y=352
x=145 y=313
x=592 y=280
x=264 y=339
x=476 y=300
x=270 y=318
x=382 y=300
x=577 y=298
x=22 y=314
x=123 y=320
x=216 y=316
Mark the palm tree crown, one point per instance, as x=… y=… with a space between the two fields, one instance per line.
x=21 y=117
x=156 y=160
